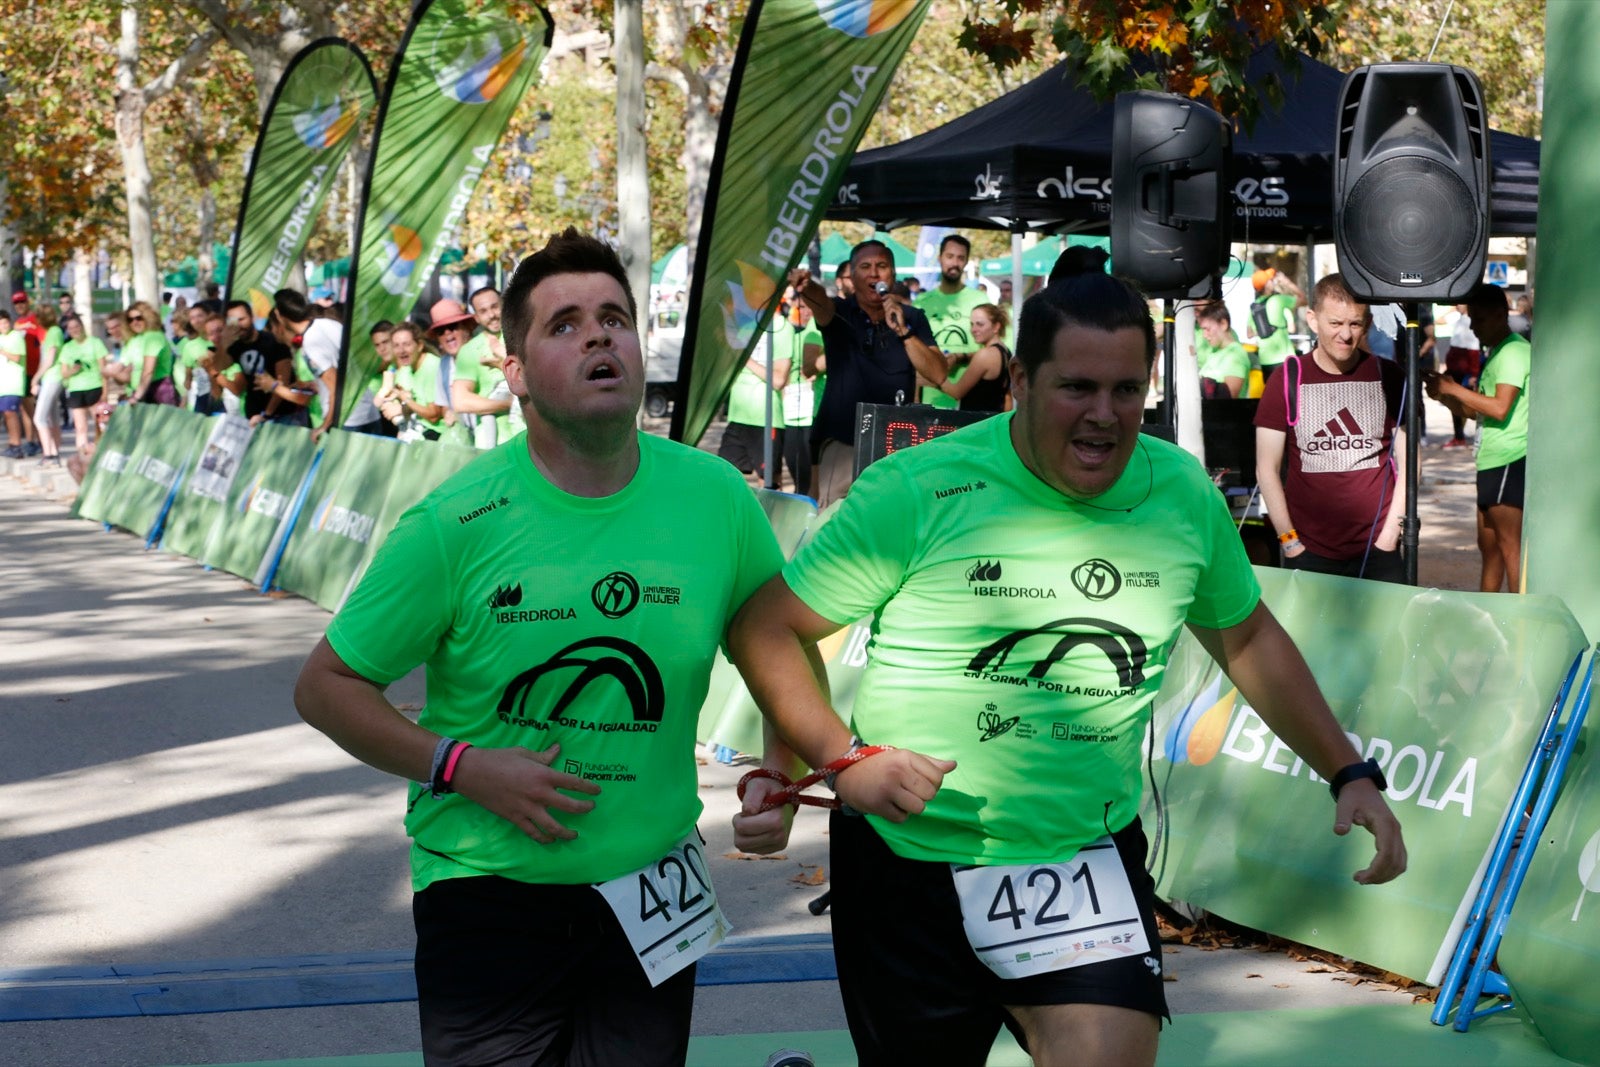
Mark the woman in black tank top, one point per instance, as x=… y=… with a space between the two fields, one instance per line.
x=985 y=385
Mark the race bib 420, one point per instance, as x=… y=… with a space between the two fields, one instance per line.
x=669 y=910
x=1033 y=918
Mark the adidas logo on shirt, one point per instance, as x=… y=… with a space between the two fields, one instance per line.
x=1340 y=434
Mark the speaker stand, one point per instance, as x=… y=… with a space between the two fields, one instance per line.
x=1410 y=529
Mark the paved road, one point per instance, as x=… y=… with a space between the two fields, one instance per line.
x=160 y=801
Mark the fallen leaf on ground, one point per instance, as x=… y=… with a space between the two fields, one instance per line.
x=1252 y=976
x=816 y=877
x=753 y=856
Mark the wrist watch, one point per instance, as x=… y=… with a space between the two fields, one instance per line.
x=1355 y=772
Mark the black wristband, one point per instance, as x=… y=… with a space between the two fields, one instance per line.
x=904 y=336
x=1355 y=772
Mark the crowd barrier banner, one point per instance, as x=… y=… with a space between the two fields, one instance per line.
x=258 y=500
x=1550 y=953
x=104 y=476
x=203 y=498
x=1447 y=691
x=169 y=441
x=458 y=76
x=422 y=466
x=340 y=518
x=779 y=158
x=311 y=123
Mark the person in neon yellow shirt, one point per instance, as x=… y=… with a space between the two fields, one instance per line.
x=148 y=357
x=80 y=360
x=1025 y=578
x=1501 y=401
x=571 y=608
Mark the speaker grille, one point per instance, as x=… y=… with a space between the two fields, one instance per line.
x=1413 y=220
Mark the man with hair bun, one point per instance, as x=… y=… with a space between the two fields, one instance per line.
x=1013 y=664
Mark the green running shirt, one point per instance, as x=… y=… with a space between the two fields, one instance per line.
x=548 y=618
x=1020 y=633
x=1506 y=440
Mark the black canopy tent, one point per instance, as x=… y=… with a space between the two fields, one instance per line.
x=1039 y=158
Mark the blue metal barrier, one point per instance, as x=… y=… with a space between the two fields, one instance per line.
x=1469 y=973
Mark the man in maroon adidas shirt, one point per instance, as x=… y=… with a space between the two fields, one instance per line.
x=1334 y=413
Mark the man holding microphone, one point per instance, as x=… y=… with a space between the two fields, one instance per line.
x=875 y=344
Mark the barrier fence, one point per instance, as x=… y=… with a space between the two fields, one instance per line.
x=1448 y=691
x=237 y=487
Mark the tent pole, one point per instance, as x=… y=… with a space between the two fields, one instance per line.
x=1169 y=364
x=1016 y=280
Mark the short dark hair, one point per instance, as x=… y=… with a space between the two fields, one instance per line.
x=292 y=306
x=1487 y=297
x=381 y=326
x=569 y=252
x=871 y=242
x=1093 y=300
x=241 y=304
x=955 y=238
x=479 y=291
x=1333 y=287
x=1214 y=311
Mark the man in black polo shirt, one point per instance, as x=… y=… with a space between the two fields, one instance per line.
x=875 y=344
x=259 y=353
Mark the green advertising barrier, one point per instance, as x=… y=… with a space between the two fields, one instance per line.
x=103 y=480
x=311 y=123
x=422 y=466
x=203 y=498
x=340 y=517
x=1447 y=691
x=460 y=72
x=258 y=501
x=780 y=155
x=1550 y=952
x=169 y=441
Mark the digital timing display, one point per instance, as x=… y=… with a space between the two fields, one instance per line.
x=885 y=428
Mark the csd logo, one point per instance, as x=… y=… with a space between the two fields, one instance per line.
x=991 y=725
x=615 y=595
x=1097 y=579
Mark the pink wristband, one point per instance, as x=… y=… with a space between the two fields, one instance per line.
x=450 y=764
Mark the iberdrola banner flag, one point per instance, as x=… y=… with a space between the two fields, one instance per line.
x=805 y=83
x=312 y=122
x=460 y=72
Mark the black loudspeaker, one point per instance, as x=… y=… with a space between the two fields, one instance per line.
x=1411 y=182
x=1170 y=224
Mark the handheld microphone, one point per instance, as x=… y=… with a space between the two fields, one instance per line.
x=881 y=288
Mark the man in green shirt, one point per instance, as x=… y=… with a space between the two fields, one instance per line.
x=1279 y=296
x=1026 y=578
x=568 y=607
x=1501 y=402
x=1224 y=364
x=948 y=306
x=478 y=386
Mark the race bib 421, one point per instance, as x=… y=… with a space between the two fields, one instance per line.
x=1033 y=918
